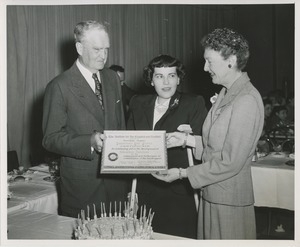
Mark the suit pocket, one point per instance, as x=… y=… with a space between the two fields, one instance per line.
x=80 y=169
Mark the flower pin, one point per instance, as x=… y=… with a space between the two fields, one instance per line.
x=176 y=101
x=213 y=99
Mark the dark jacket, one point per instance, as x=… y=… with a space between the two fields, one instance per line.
x=71 y=114
x=173 y=203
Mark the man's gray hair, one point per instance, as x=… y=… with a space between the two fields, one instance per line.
x=82 y=27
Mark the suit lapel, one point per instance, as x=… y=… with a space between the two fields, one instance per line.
x=85 y=94
x=148 y=110
x=217 y=105
x=234 y=90
x=173 y=104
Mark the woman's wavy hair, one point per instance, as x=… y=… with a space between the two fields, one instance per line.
x=162 y=61
x=228 y=42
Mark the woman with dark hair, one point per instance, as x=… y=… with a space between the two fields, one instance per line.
x=167 y=109
x=229 y=137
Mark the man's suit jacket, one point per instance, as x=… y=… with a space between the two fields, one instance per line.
x=71 y=113
x=230 y=134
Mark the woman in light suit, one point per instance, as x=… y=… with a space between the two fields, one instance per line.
x=167 y=109
x=229 y=138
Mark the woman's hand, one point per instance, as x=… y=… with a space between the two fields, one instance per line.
x=171 y=175
x=175 y=139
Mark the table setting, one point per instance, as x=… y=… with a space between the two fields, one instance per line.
x=33 y=188
x=273 y=173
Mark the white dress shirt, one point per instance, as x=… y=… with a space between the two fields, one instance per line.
x=87 y=75
x=159 y=110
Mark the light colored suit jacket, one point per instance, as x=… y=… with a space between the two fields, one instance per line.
x=71 y=113
x=230 y=134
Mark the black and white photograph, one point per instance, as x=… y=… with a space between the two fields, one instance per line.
x=142 y=123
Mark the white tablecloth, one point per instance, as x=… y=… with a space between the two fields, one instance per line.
x=25 y=224
x=35 y=194
x=273 y=183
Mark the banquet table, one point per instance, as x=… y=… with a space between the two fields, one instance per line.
x=26 y=224
x=273 y=182
x=273 y=185
x=34 y=193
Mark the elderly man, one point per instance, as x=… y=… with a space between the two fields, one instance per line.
x=78 y=105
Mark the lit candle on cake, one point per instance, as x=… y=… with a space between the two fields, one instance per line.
x=82 y=216
x=151 y=218
x=104 y=209
x=109 y=209
x=88 y=212
x=125 y=209
x=144 y=222
x=79 y=221
x=149 y=214
x=141 y=211
x=144 y=215
x=115 y=214
x=95 y=213
x=101 y=209
x=120 y=212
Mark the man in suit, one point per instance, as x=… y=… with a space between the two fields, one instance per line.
x=127 y=92
x=79 y=105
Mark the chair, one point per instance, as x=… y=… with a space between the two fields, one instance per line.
x=12 y=160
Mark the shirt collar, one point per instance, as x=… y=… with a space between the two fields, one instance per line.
x=85 y=72
x=165 y=104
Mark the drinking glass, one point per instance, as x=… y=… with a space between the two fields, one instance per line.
x=53 y=170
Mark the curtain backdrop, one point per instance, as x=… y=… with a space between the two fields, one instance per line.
x=40 y=46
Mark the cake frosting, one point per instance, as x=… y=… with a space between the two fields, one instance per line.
x=115 y=226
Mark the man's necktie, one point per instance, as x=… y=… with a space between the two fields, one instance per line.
x=98 y=89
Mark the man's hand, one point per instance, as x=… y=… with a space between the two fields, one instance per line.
x=97 y=141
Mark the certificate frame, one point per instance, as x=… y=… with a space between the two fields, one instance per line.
x=134 y=151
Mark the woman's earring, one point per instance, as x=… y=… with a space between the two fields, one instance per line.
x=229 y=66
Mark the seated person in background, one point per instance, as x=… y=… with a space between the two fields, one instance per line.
x=276 y=97
x=268 y=112
x=127 y=92
x=290 y=105
x=279 y=118
x=262 y=145
x=279 y=123
x=167 y=109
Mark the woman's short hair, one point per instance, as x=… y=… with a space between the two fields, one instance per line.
x=82 y=27
x=228 y=42
x=162 y=61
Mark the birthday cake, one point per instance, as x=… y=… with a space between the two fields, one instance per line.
x=115 y=225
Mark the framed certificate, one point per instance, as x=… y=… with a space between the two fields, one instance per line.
x=134 y=152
